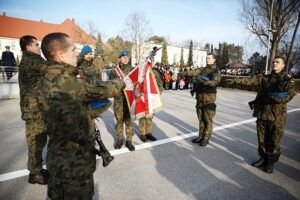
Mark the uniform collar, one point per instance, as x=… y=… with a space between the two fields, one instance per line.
x=277 y=74
x=28 y=53
x=212 y=66
x=123 y=66
x=87 y=62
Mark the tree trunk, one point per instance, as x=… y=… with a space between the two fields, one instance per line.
x=292 y=44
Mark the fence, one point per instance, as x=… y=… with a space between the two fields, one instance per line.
x=9 y=86
x=7 y=73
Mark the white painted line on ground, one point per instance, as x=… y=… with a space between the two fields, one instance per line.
x=12 y=175
x=24 y=172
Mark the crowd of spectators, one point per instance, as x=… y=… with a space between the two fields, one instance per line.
x=236 y=72
x=169 y=75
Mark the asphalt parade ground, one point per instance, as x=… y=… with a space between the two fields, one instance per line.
x=172 y=167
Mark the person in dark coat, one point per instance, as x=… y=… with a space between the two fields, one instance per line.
x=8 y=60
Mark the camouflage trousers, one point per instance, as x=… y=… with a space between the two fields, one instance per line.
x=145 y=125
x=269 y=135
x=122 y=115
x=71 y=188
x=205 y=116
x=36 y=141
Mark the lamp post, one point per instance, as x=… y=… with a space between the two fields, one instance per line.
x=269 y=30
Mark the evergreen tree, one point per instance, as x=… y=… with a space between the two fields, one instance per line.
x=190 y=59
x=219 y=53
x=174 y=60
x=257 y=63
x=164 y=56
x=235 y=53
x=181 y=64
x=207 y=47
x=99 y=50
x=225 y=58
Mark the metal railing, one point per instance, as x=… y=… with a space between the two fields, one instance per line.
x=7 y=73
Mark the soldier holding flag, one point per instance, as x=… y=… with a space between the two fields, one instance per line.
x=120 y=105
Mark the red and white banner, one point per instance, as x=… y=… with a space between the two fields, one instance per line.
x=142 y=94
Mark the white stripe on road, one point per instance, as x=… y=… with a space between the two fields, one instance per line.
x=25 y=172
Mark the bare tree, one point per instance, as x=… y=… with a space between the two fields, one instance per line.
x=256 y=17
x=84 y=31
x=137 y=31
x=291 y=52
x=292 y=43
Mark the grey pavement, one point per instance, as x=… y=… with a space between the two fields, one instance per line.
x=173 y=167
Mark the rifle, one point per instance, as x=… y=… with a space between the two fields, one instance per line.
x=102 y=151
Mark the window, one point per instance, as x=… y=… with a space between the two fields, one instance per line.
x=13 y=45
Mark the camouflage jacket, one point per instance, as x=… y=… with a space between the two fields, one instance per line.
x=270 y=107
x=88 y=69
x=205 y=90
x=65 y=100
x=30 y=73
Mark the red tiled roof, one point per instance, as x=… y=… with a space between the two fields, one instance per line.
x=237 y=64
x=16 y=28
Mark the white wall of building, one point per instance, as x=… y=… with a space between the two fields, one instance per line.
x=174 y=54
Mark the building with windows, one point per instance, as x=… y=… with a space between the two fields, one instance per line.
x=11 y=29
x=174 y=54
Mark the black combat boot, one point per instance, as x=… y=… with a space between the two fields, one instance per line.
x=270 y=167
x=119 y=144
x=144 y=138
x=41 y=178
x=197 y=140
x=149 y=136
x=130 y=146
x=204 y=142
x=260 y=162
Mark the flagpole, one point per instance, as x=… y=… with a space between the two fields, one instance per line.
x=270 y=30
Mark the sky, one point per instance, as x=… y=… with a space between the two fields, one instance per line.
x=209 y=21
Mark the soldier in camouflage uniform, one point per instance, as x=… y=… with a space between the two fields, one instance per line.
x=275 y=90
x=121 y=109
x=86 y=68
x=145 y=124
x=207 y=80
x=65 y=98
x=30 y=74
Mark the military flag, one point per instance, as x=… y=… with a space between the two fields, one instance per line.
x=142 y=93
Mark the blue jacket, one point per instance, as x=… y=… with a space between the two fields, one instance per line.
x=8 y=59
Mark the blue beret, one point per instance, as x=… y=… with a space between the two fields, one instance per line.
x=123 y=53
x=86 y=49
